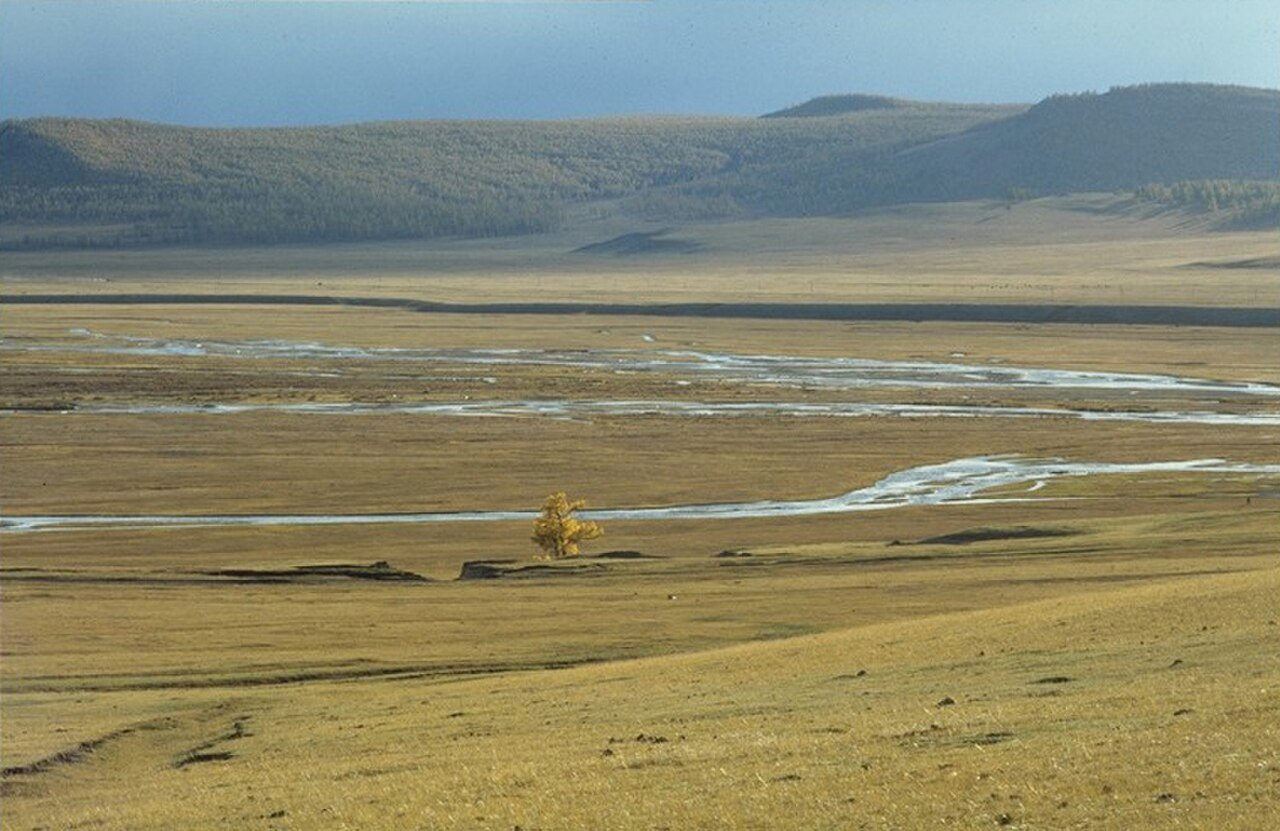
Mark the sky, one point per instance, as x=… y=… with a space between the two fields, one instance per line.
x=214 y=63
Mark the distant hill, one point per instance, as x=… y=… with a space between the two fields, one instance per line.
x=825 y=105
x=102 y=183
x=1123 y=139
x=113 y=182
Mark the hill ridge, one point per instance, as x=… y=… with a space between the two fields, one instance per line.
x=837 y=104
x=119 y=182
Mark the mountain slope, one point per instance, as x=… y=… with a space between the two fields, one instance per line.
x=387 y=180
x=83 y=182
x=1122 y=139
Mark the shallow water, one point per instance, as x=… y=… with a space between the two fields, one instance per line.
x=958 y=481
x=827 y=373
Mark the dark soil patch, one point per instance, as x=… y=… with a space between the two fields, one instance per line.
x=82 y=751
x=640 y=242
x=849 y=676
x=304 y=676
x=197 y=758
x=380 y=570
x=985 y=739
x=627 y=555
x=643 y=738
x=1019 y=532
x=485 y=569
x=1253 y=262
x=918 y=312
x=507 y=569
x=204 y=752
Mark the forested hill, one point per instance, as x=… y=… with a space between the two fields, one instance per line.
x=91 y=182
x=394 y=180
x=836 y=105
x=1120 y=140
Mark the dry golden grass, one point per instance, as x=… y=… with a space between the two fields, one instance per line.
x=1072 y=250
x=691 y=691
x=1240 y=354
x=263 y=464
x=1150 y=706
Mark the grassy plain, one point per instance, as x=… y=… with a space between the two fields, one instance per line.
x=1119 y=671
x=1080 y=249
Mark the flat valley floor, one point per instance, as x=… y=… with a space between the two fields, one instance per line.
x=921 y=574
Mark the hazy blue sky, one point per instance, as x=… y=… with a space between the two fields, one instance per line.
x=234 y=63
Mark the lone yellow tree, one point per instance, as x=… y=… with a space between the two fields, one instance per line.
x=557 y=531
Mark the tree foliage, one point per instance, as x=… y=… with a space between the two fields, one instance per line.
x=558 y=532
x=1241 y=203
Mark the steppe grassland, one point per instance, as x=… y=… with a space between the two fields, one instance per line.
x=1194 y=351
x=357 y=705
x=1083 y=249
x=1151 y=706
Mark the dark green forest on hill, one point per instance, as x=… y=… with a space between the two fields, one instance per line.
x=1117 y=141
x=825 y=105
x=73 y=182
x=394 y=180
x=1243 y=204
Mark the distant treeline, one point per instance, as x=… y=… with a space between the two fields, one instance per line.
x=1245 y=203
x=124 y=215
x=75 y=182
x=80 y=182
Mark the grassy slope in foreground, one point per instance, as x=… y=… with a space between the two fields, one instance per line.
x=1147 y=707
